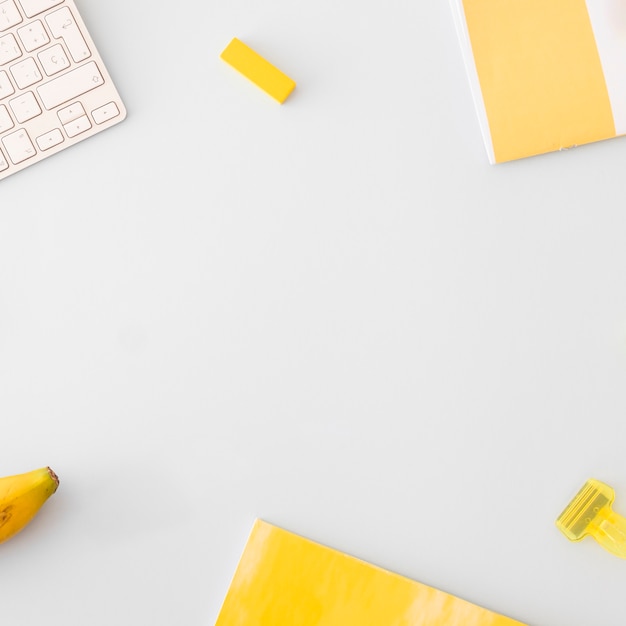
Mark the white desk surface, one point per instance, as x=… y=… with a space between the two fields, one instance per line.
x=333 y=315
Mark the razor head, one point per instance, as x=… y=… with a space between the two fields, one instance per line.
x=586 y=507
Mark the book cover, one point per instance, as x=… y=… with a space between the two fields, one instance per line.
x=546 y=75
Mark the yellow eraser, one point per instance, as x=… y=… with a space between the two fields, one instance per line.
x=261 y=72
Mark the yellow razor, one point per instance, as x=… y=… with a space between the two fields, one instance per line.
x=590 y=513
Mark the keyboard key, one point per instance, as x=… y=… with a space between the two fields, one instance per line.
x=105 y=113
x=33 y=36
x=25 y=107
x=70 y=85
x=49 y=140
x=6 y=123
x=9 y=15
x=35 y=7
x=26 y=73
x=19 y=146
x=78 y=126
x=53 y=60
x=63 y=26
x=6 y=88
x=70 y=113
x=3 y=163
x=9 y=50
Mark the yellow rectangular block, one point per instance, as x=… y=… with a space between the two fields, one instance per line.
x=261 y=72
x=285 y=580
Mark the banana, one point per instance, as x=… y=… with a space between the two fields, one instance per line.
x=21 y=497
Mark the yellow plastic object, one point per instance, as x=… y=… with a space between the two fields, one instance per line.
x=590 y=513
x=261 y=72
x=285 y=580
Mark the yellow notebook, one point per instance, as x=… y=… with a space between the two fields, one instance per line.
x=285 y=580
x=546 y=74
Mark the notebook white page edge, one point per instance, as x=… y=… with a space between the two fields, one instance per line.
x=608 y=22
x=468 y=57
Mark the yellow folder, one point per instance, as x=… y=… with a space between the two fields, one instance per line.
x=286 y=580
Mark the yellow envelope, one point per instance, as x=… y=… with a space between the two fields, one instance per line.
x=285 y=580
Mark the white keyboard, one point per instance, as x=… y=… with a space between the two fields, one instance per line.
x=54 y=88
